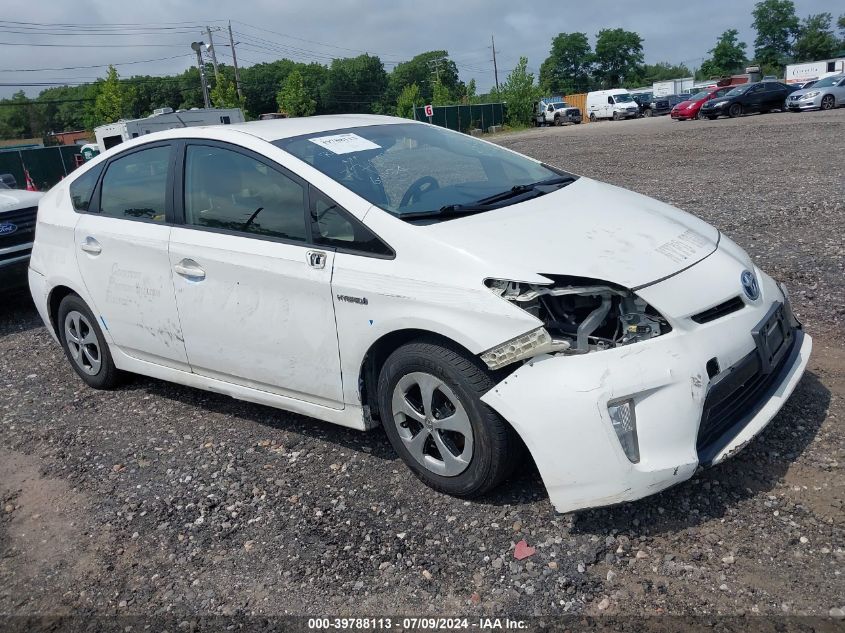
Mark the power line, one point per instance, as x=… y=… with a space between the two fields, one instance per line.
x=140 y=61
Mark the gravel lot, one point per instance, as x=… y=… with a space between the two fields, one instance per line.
x=162 y=499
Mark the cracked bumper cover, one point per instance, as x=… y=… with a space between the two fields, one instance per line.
x=558 y=404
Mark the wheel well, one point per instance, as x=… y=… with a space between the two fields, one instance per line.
x=54 y=301
x=378 y=353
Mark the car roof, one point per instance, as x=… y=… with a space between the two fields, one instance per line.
x=275 y=129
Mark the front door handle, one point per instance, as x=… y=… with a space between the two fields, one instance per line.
x=190 y=269
x=91 y=246
x=317 y=259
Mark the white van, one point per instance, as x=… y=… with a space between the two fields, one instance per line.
x=613 y=104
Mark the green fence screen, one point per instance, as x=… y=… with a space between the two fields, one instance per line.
x=46 y=165
x=465 y=117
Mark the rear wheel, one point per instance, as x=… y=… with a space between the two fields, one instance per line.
x=84 y=344
x=430 y=405
x=828 y=102
x=735 y=110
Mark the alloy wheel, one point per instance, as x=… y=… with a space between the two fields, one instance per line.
x=827 y=102
x=432 y=423
x=82 y=343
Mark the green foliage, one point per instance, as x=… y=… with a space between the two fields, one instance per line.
x=440 y=94
x=408 y=98
x=661 y=71
x=293 y=98
x=727 y=57
x=419 y=70
x=114 y=99
x=567 y=68
x=470 y=92
x=619 y=55
x=224 y=94
x=777 y=27
x=354 y=84
x=520 y=93
x=816 y=39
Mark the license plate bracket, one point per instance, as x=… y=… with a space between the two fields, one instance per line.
x=772 y=336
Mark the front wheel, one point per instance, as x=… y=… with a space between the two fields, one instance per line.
x=592 y=117
x=735 y=110
x=828 y=102
x=712 y=117
x=647 y=112
x=558 y=121
x=84 y=344
x=700 y=116
x=430 y=405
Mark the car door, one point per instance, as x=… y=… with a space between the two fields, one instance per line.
x=254 y=295
x=121 y=242
x=751 y=99
x=839 y=92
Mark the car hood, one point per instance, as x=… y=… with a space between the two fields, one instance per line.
x=804 y=91
x=586 y=229
x=11 y=199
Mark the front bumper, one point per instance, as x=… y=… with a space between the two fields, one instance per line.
x=717 y=111
x=13 y=273
x=813 y=103
x=559 y=404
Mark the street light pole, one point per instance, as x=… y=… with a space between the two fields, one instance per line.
x=197 y=46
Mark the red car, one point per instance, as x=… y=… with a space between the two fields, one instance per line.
x=689 y=109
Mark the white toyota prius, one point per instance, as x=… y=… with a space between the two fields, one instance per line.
x=474 y=302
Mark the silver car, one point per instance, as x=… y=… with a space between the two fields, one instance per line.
x=825 y=94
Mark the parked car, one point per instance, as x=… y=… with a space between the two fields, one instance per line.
x=17 y=230
x=762 y=96
x=555 y=111
x=643 y=100
x=369 y=270
x=691 y=108
x=616 y=104
x=825 y=94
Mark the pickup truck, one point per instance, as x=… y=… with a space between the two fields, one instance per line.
x=555 y=111
x=17 y=231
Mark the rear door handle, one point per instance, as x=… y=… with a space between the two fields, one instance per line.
x=91 y=246
x=190 y=269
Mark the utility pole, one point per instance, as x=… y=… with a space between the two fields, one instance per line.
x=235 y=63
x=213 y=54
x=495 y=67
x=197 y=46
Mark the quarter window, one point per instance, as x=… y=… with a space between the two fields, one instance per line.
x=332 y=227
x=82 y=188
x=228 y=190
x=135 y=186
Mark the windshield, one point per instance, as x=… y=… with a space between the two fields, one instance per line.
x=623 y=98
x=408 y=168
x=559 y=104
x=698 y=96
x=827 y=82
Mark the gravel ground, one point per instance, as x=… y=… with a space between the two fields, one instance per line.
x=159 y=499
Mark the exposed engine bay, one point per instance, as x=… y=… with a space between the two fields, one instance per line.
x=584 y=315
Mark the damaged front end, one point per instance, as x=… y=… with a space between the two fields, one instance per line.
x=579 y=316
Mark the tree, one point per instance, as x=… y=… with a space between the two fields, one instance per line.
x=293 y=98
x=440 y=94
x=777 y=26
x=661 y=71
x=225 y=93
x=727 y=57
x=816 y=39
x=619 y=55
x=114 y=99
x=470 y=94
x=408 y=98
x=418 y=70
x=569 y=64
x=354 y=84
x=520 y=93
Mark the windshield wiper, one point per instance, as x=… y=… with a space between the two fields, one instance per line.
x=491 y=202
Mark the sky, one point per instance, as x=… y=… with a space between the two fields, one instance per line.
x=159 y=33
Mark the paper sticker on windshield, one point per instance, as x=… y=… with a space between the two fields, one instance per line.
x=344 y=143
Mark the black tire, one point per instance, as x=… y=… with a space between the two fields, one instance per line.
x=700 y=116
x=735 y=110
x=558 y=121
x=496 y=448
x=615 y=116
x=592 y=117
x=106 y=375
x=647 y=112
x=712 y=117
x=828 y=102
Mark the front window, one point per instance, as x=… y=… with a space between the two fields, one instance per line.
x=412 y=168
x=739 y=90
x=698 y=96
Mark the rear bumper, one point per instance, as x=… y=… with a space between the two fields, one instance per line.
x=559 y=404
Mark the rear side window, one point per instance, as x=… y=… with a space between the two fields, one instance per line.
x=228 y=190
x=135 y=186
x=82 y=188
